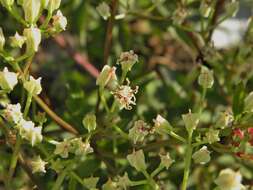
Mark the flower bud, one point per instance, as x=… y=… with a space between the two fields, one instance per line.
x=229 y=180
x=31 y=9
x=202 y=156
x=248 y=103
x=53 y=5
x=104 y=10
x=8 y=80
x=7 y=3
x=212 y=136
x=191 y=121
x=107 y=78
x=162 y=126
x=33 y=86
x=127 y=60
x=38 y=165
x=139 y=131
x=2 y=39
x=166 y=160
x=89 y=122
x=17 y=40
x=206 y=8
x=91 y=182
x=137 y=160
x=206 y=79
x=59 y=21
x=33 y=39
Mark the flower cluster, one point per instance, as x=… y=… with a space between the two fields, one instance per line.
x=123 y=93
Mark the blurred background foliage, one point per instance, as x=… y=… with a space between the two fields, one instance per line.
x=170 y=53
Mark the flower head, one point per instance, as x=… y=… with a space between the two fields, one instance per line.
x=63 y=148
x=8 y=80
x=104 y=10
x=212 y=136
x=33 y=86
x=17 y=40
x=166 y=160
x=125 y=95
x=12 y=113
x=162 y=126
x=137 y=160
x=29 y=132
x=107 y=78
x=33 y=38
x=206 y=79
x=124 y=181
x=229 y=180
x=59 y=21
x=89 y=122
x=38 y=165
x=91 y=182
x=31 y=9
x=224 y=120
x=53 y=5
x=139 y=131
x=202 y=156
x=127 y=60
x=191 y=121
x=79 y=147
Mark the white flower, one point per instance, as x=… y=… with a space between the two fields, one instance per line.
x=89 y=122
x=229 y=180
x=2 y=39
x=79 y=147
x=166 y=160
x=8 y=80
x=127 y=60
x=38 y=165
x=162 y=126
x=202 y=156
x=29 y=132
x=191 y=121
x=63 y=149
x=91 y=182
x=212 y=136
x=33 y=38
x=124 y=181
x=33 y=86
x=107 y=78
x=104 y=10
x=17 y=40
x=125 y=95
x=139 y=131
x=137 y=160
x=31 y=9
x=59 y=21
x=12 y=113
x=224 y=120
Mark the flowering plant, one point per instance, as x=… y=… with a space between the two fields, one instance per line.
x=170 y=107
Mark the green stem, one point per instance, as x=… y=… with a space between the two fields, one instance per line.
x=157 y=170
x=77 y=178
x=137 y=183
x=103 y=100
x=176 y=136
x=150 y=180
x=60 y=179
x=28 y=104
x=15 y=14
x=14 y=160
x=188 y=158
